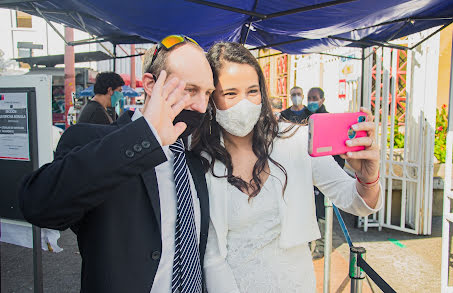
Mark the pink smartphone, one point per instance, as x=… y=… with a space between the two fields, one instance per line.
x=328 y=133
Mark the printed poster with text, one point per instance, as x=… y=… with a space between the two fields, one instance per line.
x=14 y=127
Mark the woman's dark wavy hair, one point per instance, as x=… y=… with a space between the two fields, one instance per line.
x=207 y=137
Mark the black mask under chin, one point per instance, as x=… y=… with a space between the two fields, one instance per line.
x=193 y=120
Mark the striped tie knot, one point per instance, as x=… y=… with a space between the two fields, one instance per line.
x=177 y=148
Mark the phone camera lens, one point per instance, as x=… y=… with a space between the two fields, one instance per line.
x=351 y=133
x=362 y=118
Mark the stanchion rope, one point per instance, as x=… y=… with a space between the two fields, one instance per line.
x=383 y=285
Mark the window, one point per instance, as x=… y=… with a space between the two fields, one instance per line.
x=23 y=53
x=23 y=20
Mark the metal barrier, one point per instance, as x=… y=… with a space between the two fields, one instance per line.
x=358 y=267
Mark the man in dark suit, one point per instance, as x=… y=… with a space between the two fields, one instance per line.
x=114 y=185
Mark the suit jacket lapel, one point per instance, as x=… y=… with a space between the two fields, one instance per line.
x=150 y=181
x=196 y=169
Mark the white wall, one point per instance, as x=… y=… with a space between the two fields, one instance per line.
x=424 y=75
x=40 y=33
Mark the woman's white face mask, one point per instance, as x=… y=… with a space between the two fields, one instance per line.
x=240 y=119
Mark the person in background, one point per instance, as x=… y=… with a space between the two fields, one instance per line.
x=107 y=91
x=315 y=104
x=294 y=113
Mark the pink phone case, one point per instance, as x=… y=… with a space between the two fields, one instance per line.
x=328 y=133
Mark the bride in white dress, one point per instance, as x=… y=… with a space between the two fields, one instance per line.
x=260 y=180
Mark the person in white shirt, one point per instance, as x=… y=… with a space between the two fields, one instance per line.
x=260 y=180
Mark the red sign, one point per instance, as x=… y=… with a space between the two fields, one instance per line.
x=267 y=71
x=281 y=86
x=282 y=65
x=342 y=89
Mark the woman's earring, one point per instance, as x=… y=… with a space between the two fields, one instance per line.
x=210 y=118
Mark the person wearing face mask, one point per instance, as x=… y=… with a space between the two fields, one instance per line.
x=260 y=180
x=107 y=93
x=315 y=102
x=295 y=112
x=132 y=192
x=316 y=105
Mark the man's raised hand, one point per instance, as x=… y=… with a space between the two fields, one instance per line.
x=167 y=100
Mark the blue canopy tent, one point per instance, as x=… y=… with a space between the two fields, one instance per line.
x=127 y=92
x=88 y=92
x=289 y=26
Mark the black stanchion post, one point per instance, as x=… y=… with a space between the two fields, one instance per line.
x=37 y=260
x=355 y=271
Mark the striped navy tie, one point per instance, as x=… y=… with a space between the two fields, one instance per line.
x=186 y=263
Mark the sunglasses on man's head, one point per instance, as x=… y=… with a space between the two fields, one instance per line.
x=168 y=42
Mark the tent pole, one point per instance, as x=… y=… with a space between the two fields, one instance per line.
x=82 y=24
x=49 y=23
x=307 y=8
x=369 y=42
x=130 y=56
x=244 y=38
x=69 y=72
x=278 y=44
x=411 y=19
x=336 y=55
x=435 y=32
x=114 y=57
x=362 y=77
x=133 y=82
x=272 y=15
x=228 y=8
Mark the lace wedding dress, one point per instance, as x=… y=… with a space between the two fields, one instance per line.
x=254 y=255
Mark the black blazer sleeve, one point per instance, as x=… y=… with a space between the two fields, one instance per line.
x=58 y=194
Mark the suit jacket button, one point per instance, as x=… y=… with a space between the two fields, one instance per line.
x=137 y=148
x=146 y=144
x=155 y=255
x=129 y=153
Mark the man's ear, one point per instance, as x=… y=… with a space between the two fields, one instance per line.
x=109 y=91
x=148 y=83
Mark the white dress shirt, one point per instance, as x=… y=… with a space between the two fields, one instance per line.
x=167 y=195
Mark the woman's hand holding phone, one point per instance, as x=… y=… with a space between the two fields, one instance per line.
x=351 y=135
x=365 y=162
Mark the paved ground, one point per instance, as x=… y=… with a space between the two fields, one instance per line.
x=61 y=271
x=412 y=268
x=415 y=267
